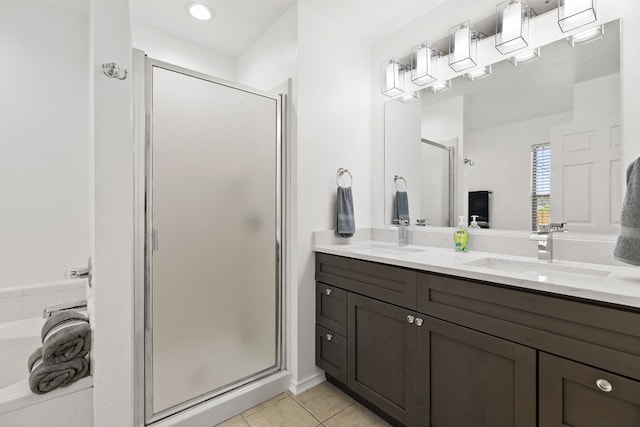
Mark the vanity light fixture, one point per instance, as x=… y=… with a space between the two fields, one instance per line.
x=586 y=36
x=463 y=46
x=409 y=97
x=525 y=57
x=478 y=73
x=424 y=63
x=575 y=13
x=438 y=87
x=200 y=11
x=392 y=77
x=512 y=25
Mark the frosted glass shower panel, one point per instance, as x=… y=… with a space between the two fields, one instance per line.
x=214 y=193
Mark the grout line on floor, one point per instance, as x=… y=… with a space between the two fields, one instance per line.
x=339 y=412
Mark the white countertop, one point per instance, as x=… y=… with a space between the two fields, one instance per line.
x=597 y=282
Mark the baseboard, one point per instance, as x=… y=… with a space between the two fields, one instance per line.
x=299 y=387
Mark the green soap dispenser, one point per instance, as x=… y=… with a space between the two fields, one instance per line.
x=461 y=236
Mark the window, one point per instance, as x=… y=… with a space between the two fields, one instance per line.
x=540 y=185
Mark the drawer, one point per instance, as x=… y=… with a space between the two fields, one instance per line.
x=391 y=284
x=331 y=353
x=331 y=308
x=600 y=335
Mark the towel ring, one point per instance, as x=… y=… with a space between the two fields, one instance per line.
x=341 y=172
x=397 y=178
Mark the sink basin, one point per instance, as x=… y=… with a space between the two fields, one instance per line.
x=542 y=271
x=381 y=249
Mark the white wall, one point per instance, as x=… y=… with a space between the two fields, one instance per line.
x=163 y=47
x=273 y=57
x=112 y=293
x=509 y=148
x=334 y=126
x=444 y=123
x=44 y=134
x=405 y=157
x=596 y=98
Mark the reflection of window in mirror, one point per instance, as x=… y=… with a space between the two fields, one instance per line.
x=540 y=185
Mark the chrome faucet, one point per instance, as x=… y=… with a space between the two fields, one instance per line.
x=544 y=237
x=78 y=305
x=403 y=232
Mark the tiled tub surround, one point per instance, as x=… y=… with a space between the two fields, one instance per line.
x=620 y=286
x=26 y=302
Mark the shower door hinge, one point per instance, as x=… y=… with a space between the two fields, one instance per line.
x=154 y=240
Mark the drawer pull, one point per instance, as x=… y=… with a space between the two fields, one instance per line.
x=419 y=322
x=327 y=291
x=410 y=319
x=329 y=337
x=604 y=385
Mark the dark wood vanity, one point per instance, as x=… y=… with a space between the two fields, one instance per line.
x=428 y=350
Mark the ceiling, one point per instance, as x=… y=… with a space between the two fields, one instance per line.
x=540 y=88
x=239 y=22
x=372 y=19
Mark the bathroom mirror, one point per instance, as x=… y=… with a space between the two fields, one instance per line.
x=527 y=145
x=45 y=138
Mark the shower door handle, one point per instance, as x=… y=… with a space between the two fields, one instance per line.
x=154 y=240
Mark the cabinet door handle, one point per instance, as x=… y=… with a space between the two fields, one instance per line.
x=329 y=337
x=327 y=291
x=604 y=385
x=410 y=319
x=419 y=321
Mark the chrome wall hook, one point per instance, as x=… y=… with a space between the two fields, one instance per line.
x=112 y=70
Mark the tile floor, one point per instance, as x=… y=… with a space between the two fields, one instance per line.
x=323 y=405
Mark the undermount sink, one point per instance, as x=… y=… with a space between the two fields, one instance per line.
x=542 y=271
x=374 y=249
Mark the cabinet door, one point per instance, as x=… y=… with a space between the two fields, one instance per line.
x=576 y=395
x=382 y=356
x=468 y=378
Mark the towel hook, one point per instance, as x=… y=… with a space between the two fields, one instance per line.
x=397 y=178
x=341 y=172
x=469 y=162
x=112 y=70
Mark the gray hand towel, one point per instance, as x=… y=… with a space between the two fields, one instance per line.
x=44 y=377
x=628 y=244
x=346 y=226
x=401 y=210
x=65 y=335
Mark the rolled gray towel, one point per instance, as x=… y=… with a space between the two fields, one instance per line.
x=43 y=377
x=66 y=335
x=628 y=244
x=346 y=226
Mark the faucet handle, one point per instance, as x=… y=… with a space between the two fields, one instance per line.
x=558 y=226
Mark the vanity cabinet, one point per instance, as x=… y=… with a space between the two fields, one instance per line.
x=575 y=395
x=468 y=378
x=428 y=349
x=382 y=357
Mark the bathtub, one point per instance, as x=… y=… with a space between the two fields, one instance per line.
x=70 y=406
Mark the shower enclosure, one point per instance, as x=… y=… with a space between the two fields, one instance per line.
x=212 y=299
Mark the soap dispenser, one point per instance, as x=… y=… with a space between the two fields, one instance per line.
x=474 y=222
x=461 y=236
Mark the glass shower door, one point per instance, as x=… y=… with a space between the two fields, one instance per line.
x=213 y=225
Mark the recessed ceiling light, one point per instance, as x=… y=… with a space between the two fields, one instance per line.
x=200 y=11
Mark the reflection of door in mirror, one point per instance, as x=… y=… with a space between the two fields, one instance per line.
x=437 y=181
x=586 y=175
